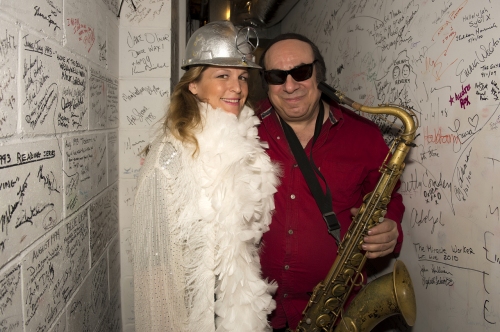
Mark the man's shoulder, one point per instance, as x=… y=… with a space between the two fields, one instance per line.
x=356 y=119
x=263 y=108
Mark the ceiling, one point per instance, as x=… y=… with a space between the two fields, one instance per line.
x=262 y=14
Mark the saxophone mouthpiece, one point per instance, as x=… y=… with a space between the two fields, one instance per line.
x=330 y=92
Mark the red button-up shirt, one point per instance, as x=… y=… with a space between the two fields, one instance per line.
x=298 y=252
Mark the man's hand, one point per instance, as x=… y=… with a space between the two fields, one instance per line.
x=381 y=238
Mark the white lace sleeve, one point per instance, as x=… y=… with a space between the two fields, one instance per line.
x=158 y=275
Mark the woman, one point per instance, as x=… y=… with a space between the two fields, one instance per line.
x=203 y=200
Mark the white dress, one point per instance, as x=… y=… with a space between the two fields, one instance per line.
x=197 y=225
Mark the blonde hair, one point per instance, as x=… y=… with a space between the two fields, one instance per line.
x=183 y=114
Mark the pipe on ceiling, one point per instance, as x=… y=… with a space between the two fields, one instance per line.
x=260 y=13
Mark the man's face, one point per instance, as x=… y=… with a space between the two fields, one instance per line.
x=294 y=101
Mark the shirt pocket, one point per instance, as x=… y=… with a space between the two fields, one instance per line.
x=345 y=181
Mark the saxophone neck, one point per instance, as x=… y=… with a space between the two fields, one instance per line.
x=406 y=116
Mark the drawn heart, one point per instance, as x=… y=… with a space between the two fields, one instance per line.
x=474 y=121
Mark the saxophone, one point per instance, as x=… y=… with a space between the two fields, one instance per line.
x=388 y=295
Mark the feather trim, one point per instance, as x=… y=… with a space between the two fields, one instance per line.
x=231 y=183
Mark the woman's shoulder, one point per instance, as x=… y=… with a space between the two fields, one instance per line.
x=164 y=154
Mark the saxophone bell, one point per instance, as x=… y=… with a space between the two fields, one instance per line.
x=388 y=295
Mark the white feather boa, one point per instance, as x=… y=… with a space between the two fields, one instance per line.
x=225 y=206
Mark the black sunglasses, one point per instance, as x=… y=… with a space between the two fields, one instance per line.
x=299 y=74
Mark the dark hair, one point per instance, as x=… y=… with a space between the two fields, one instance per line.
x=320 y=62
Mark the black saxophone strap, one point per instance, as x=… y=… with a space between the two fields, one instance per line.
x=308 y=169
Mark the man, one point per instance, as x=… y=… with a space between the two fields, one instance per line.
x=298 y=251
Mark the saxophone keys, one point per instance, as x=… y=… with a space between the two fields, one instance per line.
x=323 y=320
x=348 y=273
x=338 y=290
x=376 y=215
x=382 y=217
x=356 y=259
x=332 y=303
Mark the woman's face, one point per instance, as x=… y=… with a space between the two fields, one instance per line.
x=222 y=87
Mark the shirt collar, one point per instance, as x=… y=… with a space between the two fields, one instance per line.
x=266 y=113
x=335 y=113
x=333 y=119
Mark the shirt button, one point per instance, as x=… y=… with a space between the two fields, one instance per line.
x=292 y=196
x=285 y=295
x=278 y=137
x=290 y=231
x=287 y=267
x=295 y=165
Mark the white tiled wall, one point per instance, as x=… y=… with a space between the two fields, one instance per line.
x=79 y=91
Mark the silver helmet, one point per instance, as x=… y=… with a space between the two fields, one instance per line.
x=220 y=44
